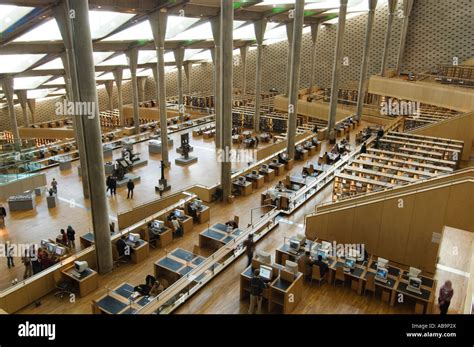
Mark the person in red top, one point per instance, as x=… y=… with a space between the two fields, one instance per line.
x=63 y=239
x=445 y=295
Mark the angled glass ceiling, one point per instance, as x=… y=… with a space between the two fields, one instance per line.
x=29 y=82
x=11 y=63
x=39 y=93
x=201 y=32
x=101 y=23
x=53 y=64
x=247 y=32
x=142 y=31
x=119 y=60
x=10 y=14
x=58 y=81
x=146 y=56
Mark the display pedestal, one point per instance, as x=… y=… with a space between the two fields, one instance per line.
x=179 y=150
x=164 y=183
x=184 y=161
x=65 y=165
x=127 y=177
x=38 y=191
x=51 y=201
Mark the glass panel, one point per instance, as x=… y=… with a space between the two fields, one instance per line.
x=101 y=56
x=10 y=63
x=29 y=82
x=118 y=60
x=53 y=64
x=104 y=22
x=38 y=93
x=10 y=14
x=59 y=80
x=146 y=56
x=247 y=32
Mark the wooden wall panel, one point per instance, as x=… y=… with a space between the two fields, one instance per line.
x=366 y=227
x=394 y=229
x=340 y=225
x=316 y=227
x=461 y=198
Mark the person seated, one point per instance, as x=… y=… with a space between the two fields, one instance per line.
x=363 y=149
x=306 y=263
x=283 y=158
x=193 y=212
x=232 y=223
x=280 y=186
x=323 y=267
x=299 y=151
x=123 y=249
x=156 y=289
x=144 y=289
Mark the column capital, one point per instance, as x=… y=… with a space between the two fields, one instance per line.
x=260 y=26
x=179 y=56
x=216 y=29
x=158 y=21
x=132 y=59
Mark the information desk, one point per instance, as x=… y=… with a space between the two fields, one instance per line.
x=216 y=236
x=186 y=222
x=176 y=264
x=86 y=281
x=119 y=301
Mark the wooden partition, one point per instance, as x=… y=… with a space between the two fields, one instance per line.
x=401 y=228
x=457 y=128
x=278 y=146
x=46 y=133
x=204 y=193
x=455 y=98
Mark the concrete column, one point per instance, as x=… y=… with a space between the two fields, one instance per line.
x=141 y=81
x=32 y=107
x=407 y=7
x=22 y=98
x=289 y=36
x=8 y=91
x=259 y=26
x=158 y=21
x=216 y=33
x=132 y=58
x=61 y=14
x=295 y=76
x=227 y=46
x=87 y=92
x=179 y=57
x=314 y=37
x=392 y=6
x=336 y=71
x=118 y=74
x=187 y=72
x=243 y=56
x=109 y=88
x=365 y=58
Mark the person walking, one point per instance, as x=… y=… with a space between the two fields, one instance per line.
x=249 y=245
x=130 y=187
x=71 y=236
x=54 y=186
x=257 y=285
x=26 y=260
x=107 y=184
x=3 y=214
x=446 y=293
x=113 y=186
x=9 y=254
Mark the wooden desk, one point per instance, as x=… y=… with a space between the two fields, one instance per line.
x=245 y=277
x=285 y=293
x=257 y=181
x=176 y=264
x=289 y=164
x=216 y=236
x=245 y=189
x=186 y=223
x=139 y=251
x=268 y=175
x=165 y=237
x=204 y=214
x=87 y=282
x=279 y=168
x=119 y=301
x=303 y=155
x=423 y=301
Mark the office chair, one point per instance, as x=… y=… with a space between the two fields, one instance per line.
x=316 y=274
x=64 y=288
x=370 y=284
x=340 y=275
x=119 y=259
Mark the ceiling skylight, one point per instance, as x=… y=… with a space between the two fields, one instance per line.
x=29 y=82
x=11 y=63
x=53 y=64
x=10 y=14
x=58 y=81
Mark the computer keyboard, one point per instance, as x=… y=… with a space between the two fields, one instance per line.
x=76 y=273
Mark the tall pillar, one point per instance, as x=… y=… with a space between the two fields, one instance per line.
x=336 y=71
x=85 y=91
x=118 y=75
x=22 y=98
x=216 y=33
x=227 y=46
x=109 y=88
x=407 y=7
x=243 y=56
x=179 y=57
x=8 y=91
x=141 y=81
x=158 y=21
x=295 y=76
x=365 y=58
x=187 y=72
x=132 y=58
x=392 y=6
x=259 y=26
x=314 y=37
x=32 y=107
x=289 y=36
x=61 y=14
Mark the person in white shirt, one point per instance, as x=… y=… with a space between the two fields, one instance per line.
x=178 y=231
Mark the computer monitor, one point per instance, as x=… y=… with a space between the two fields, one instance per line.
x=242 y=179
x=179 y=213
x=264 y=257
x=265 y=167
x=295 y=245
x=414 y=284
x=322 y=253
x=275 y=161
x=291 y=267
x=80 y=266
x=254 y=172
x=158 y=224
x=60 y=251
x=413 y=272
x=349 y=263
x=44 y=243
x=382 y=274
x=133 y=237
x=198 y=203
x=266 y=272
x=51 y=247
x=381 y=262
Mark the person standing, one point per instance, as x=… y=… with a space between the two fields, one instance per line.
x=113 y=186
x=178 y=230
x=9 y=254
x=446 y=293
x=107 y=184
x=130 y=187
x=3 y=214
x=71 y=236
x=26 y=260
x=54 y=186
x=249 y=245
x=257 y=285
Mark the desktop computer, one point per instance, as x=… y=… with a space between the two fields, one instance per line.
x=301 y=238
x=291 y=267
x=198 y=203
x=294 y=246
x=349 y=264
x=157 y=224
x=381 y=262
x=381 y=274
x=44 y=243
x=81 y=266
x=264 y=257
x=51 y=248
x=266 y=273
x=414 y=285
x=254 y=173
x=134 y=238
x=242 y=180
x=60 y=251
x=179 y=213
x=265 y=167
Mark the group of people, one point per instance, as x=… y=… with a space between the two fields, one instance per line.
x=111 y=184
x=67 y=237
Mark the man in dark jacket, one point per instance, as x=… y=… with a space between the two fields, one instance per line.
x=71 y=236
x=3 y=214
x=113 y=185
x=130 y=187
x=257 y=285
x=249 y=244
